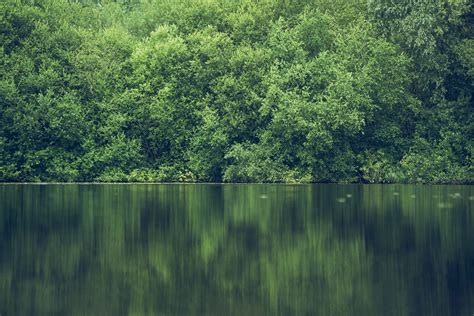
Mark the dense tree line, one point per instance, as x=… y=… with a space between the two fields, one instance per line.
x=265 y=91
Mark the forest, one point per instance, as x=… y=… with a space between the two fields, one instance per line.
x=376 y=91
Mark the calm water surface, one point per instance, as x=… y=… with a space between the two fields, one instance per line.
x=236 y=250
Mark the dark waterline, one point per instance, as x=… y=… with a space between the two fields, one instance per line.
x=85 y=249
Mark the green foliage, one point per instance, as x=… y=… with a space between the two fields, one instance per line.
x=267 y=91
x=428 y=163
x=206 y=154
x=377 y=168
x=248 y=163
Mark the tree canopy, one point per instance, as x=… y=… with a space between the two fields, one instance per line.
x=237 y=91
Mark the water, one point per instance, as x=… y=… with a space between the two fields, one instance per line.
x=236 y=250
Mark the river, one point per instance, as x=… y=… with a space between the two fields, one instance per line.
x=250 y=249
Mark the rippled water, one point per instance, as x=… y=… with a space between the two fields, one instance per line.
x=236 y=250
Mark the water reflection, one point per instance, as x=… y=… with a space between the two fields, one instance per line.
x=236 y=250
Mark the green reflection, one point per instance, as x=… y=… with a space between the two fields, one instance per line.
x=236 y=250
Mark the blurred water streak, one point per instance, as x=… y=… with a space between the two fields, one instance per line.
x=236 y=250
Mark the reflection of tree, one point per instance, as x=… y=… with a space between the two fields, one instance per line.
x=253 y=249
x=433 y=245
